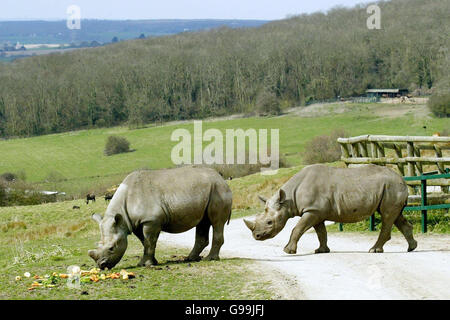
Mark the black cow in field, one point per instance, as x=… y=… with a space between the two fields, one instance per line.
x=90 y=197
x=108 y=196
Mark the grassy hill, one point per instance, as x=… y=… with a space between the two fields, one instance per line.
x=74 y=162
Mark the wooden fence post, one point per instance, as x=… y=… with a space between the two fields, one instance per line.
x=410 y=151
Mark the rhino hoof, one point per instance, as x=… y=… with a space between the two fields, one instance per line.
x=376 y=250
x=412 y=246
x=212 y=258
x=148 y=263
x=323 y=250
x=290 y=251
x=192 y=259
x=151 y=263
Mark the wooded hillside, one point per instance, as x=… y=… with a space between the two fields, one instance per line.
x=195 y=75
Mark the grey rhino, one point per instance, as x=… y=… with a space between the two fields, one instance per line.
x=318 y=193
x=172 y=200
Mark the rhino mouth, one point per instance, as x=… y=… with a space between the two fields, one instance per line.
x=105 y=264
x=261 y=236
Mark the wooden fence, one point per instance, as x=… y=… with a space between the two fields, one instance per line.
x=407 y=152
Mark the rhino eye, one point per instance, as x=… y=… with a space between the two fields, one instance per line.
x=269 y=222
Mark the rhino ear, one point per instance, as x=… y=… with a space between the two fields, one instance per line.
x=263 y=200
x=97 y=217
x=281 y=197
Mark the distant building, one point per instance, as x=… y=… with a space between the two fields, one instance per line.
x=387 y=93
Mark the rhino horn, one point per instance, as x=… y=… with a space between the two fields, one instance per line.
x=250 y=224
x=262 y=199
x=97 y=217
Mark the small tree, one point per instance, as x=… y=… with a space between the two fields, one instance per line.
x=115 y=145
x=8 y=176
x=439 y=104
x=268 y=104
x=325 y=148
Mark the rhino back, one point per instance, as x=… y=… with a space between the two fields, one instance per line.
x=175 y=198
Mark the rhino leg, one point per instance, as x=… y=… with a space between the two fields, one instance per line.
x=151 y=234
x=217 y=242
x=387 y=221
x=307 y=221
x=321 y=232
x=218 y=212
x=406 y=229
x=201 y=240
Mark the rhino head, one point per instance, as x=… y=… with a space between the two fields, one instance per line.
x=269 y=223
x=113 y=242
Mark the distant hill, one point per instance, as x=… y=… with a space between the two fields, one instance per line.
x=34 y=32
x=223 y=71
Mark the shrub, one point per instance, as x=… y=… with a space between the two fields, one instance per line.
x=324 y=148
x=115 y=145
x=268 y=104
x=100 y=123
x=8 y=176
x=19 y=193
x=439 y=104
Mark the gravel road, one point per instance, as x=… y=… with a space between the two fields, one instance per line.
x=348 y=272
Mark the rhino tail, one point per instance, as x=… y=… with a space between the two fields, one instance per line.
x=229 y=216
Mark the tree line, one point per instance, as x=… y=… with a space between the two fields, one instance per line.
x=223 y=71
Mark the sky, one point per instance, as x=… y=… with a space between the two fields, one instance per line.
x=166 y=9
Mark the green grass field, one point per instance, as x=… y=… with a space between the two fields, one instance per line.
x=51 y=237
x=48 y=238
x=74 y=162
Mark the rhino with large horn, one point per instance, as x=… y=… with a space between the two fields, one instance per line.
x=319 y=193
x=175 y=200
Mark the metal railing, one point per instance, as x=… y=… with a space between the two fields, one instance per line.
x=424 y=207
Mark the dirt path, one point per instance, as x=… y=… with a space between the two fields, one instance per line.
x=386 y=109
x=348 y=272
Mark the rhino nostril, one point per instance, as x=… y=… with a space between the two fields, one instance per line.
x=257 y=236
